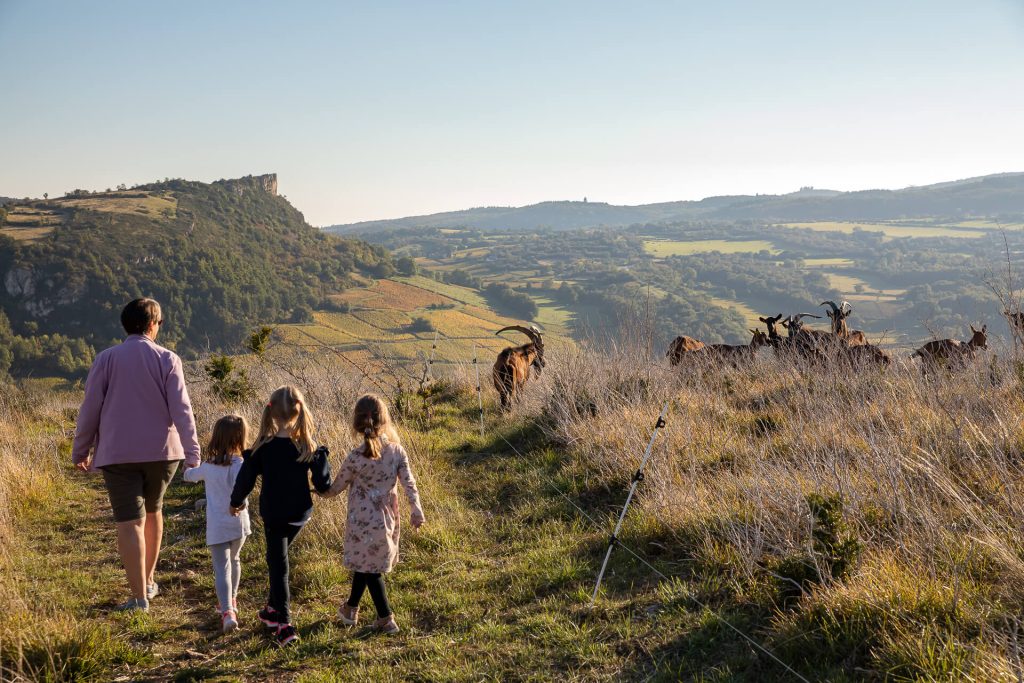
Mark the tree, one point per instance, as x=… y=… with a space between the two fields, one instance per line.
x=406 y=266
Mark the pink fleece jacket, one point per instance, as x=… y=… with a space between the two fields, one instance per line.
x=136 y=408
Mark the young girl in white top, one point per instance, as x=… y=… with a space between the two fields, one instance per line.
x=225 y=532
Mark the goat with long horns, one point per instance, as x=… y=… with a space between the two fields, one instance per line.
x=838 y=315
x=512 y=368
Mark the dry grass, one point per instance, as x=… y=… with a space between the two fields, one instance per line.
x=152 y=205
x=927 y=473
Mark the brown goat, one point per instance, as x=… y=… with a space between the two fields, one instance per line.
x=863 y=354
x=953 y=350
x=681 y=346
x=804 y=340
x=512 y=368
x=734 y=354
x=838 y=316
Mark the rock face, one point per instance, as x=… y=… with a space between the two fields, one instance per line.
x=269 y=183
x=262 y=183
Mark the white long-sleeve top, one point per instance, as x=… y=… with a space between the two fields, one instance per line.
x=221 y=525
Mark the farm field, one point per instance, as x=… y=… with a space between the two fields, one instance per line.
x=390 y=294
x=152 y=205
x=891 y=230
x=28 y=224
x=749 y=314
x=661 y=248
x=374 y=331
x=832 y=262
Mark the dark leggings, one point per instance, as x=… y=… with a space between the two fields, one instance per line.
x=279 y=538
x=375 y=582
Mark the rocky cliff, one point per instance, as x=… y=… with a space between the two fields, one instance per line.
x=261 y=183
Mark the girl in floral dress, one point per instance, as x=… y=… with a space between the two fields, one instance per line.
x=371 y=473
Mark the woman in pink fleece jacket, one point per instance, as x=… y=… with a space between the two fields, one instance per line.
x=135 y=425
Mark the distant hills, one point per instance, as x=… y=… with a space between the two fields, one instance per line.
x=222 y=257
x=991 y=195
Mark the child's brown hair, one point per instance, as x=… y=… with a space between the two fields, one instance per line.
x=372 y=420
x=228 y=438
x=287 y=406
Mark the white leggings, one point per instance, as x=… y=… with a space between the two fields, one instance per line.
x=227 y=570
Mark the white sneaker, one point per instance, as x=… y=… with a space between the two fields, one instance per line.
x=228 y=622
x=132 y=605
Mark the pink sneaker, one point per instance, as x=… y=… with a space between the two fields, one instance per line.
x=387 y=625
x=348 y=615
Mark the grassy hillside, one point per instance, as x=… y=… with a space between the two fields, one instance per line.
x=391 y=325
x=221 y=257
x=855 y=527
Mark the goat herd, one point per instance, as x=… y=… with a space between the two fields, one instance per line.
x=840 y=344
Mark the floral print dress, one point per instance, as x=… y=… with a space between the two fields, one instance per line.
x=372 y=530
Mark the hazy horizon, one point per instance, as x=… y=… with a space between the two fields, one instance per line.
x=387 y=111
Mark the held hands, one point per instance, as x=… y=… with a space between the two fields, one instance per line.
x=235 y=511
x=416 y=518
x=85 y=464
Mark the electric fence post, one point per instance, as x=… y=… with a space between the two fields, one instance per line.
x=479 y=390
x=637 y=478
x=430 y=361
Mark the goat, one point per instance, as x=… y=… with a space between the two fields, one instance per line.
x=838 y=316
x=681 y=346
x=512 y=367
x=781 y=345
x=862 y=354
x=802 y=338
x=1016 y=320
x=773 y=335
x=945 y=350
x=734 y=354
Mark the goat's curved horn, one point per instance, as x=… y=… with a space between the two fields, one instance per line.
x=800 y=316
x=532 y=332
x=846 y=308
x=835 y=309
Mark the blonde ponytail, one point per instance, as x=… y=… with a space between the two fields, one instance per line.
x=287 y=407
x=302 y=434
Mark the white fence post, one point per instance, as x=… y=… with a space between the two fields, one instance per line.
x=637 y=478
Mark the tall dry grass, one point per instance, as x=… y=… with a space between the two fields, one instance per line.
x=929 y=472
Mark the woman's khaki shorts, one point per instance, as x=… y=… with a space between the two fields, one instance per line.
x=137 y=488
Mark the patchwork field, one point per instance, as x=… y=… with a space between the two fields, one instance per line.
x=375 y=331
x=661 y=248
x=390 y=294
x=28 y=224
x=152 y=204
x=834 y=262
x=893 y=230
x=749 y=314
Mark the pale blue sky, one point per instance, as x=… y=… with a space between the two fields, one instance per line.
x=383 y=109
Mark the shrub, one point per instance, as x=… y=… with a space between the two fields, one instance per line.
x=834 y=550
x=229 y=383
x=420 y=325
